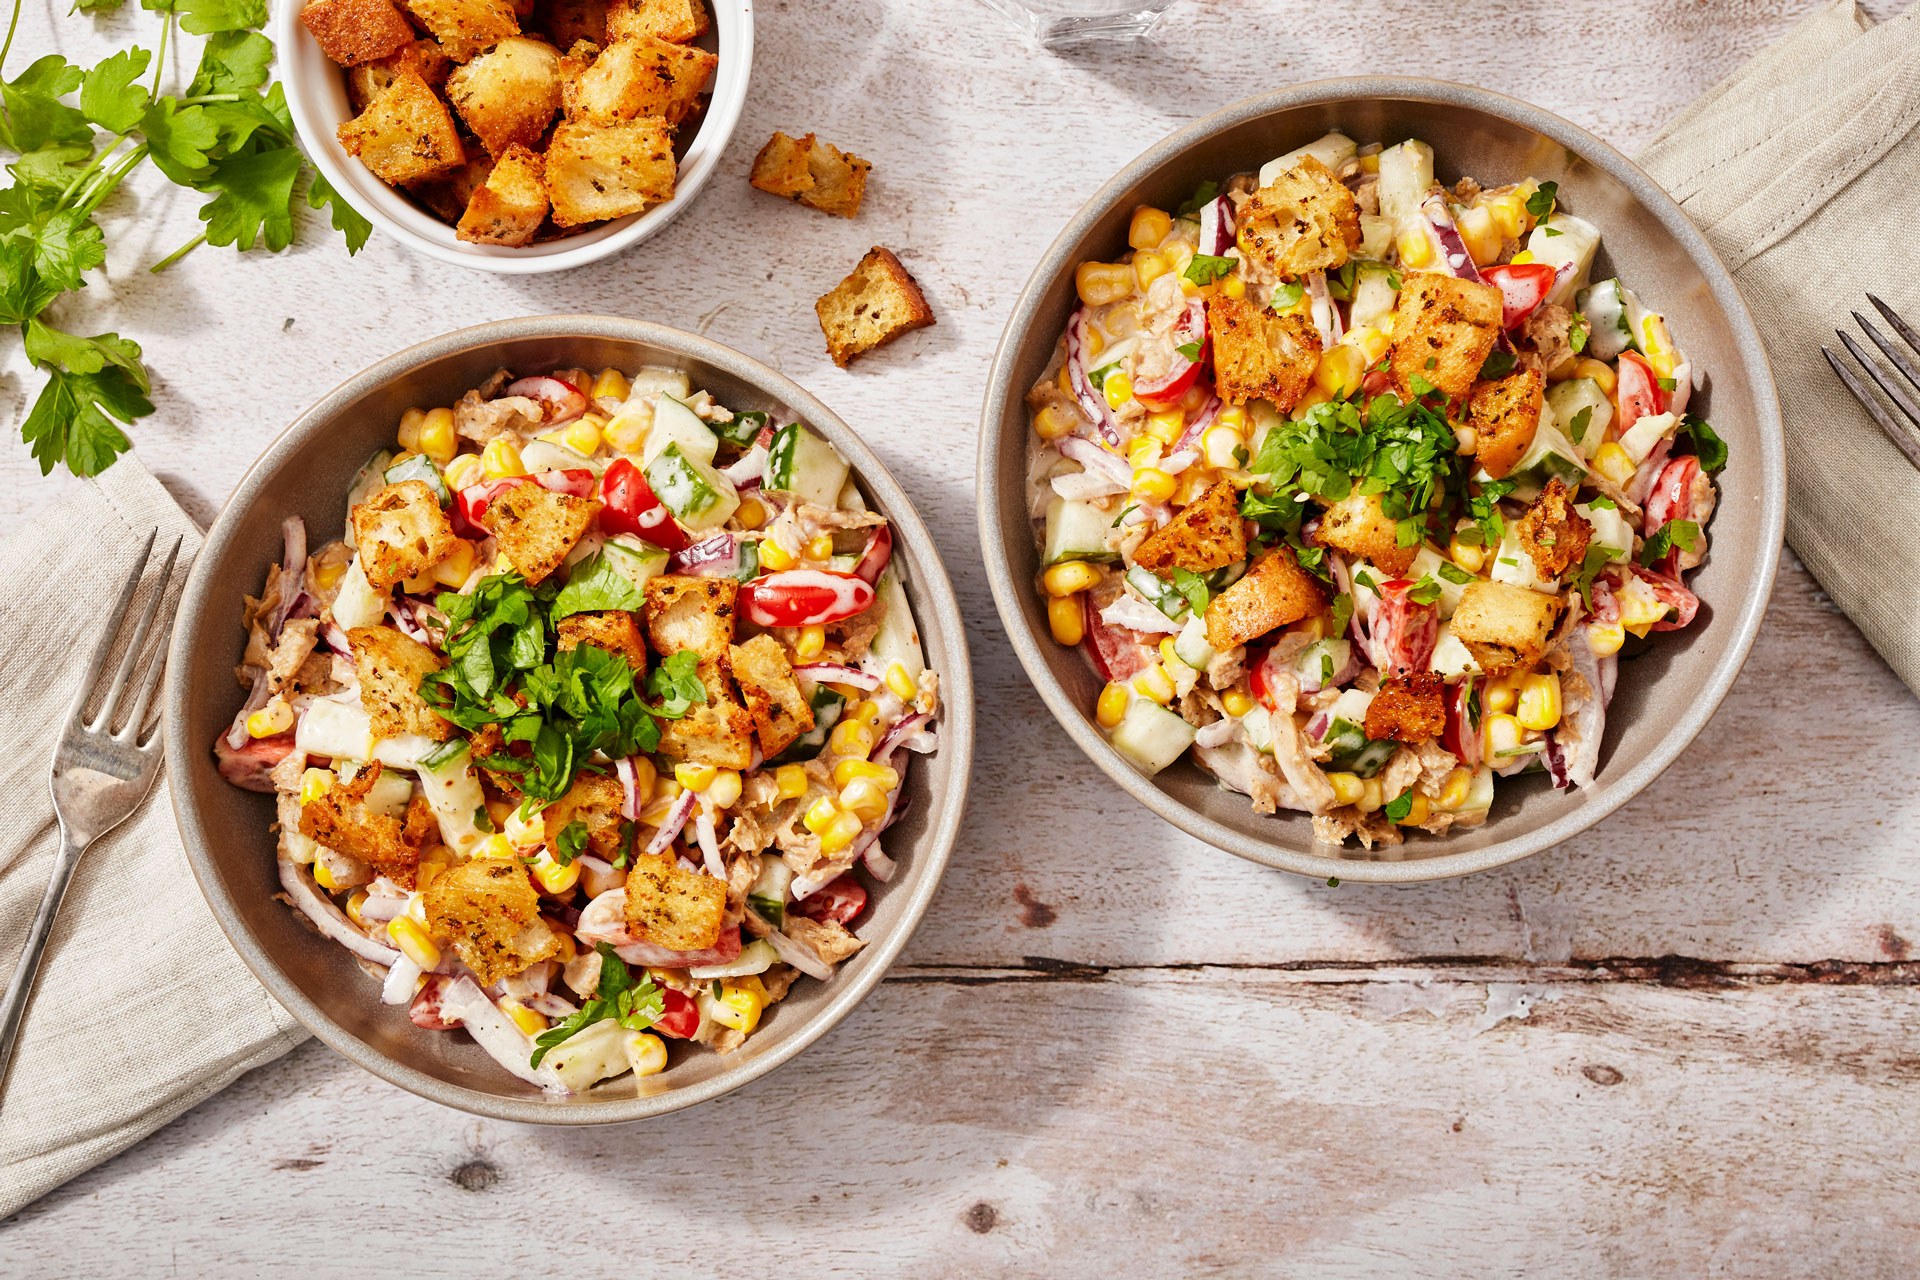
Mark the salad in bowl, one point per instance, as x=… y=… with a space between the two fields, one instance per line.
x=1353 y=487
x=585 y=730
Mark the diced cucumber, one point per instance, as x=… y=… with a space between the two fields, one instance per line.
x=1577 y=396
x=1112 y=356
x=420 y=467
x=1191 y=646
x=698 y=496
x=749 y=562
x=1647 y=431
x=768 y=896
x=389 y=793
x=357 y=603
x=1373 y=293
x=545 y=455
x=743 y=430
x=635 y=559
x=654 y=381
x=1550 y=455
x=1429 y=564
x=1353 y=751
x=675 y=424
x=338 y=730
x=828 y=707
x=1151 y=736
x=757 y=956
x=1406 y=174
x=1637 y=318
x=801 y=463
x=1480 y=793
x=1610 y=529
x=1564 y=240
x=1513 y=565
x=1604 y=307
x=1158 y=592
x=1376 y=235
x=1077 y=531
x=1333 y=150
x=898 y=639
x=1450 y=657
x=453 y=793
x=589 y=1056
x=1322 y=660
x=365 y=481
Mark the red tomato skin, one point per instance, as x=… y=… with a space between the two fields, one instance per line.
x=1461 y=737
x=1192 y=328
x=806 y=598
x=1523 y=287
x=1114 y=656
x=630 y=507
x=840 y=901
x=679 y=1017
x=1638 y=391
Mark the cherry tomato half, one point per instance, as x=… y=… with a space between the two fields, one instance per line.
x=1116 y=654
x=1404 y=631
x=1192 y=330
x=1523 y=287
x=1638 y=391
x=806 y=598
x=840 y=901
x=631 y=508
x=679 y=1017
x=1462 y=735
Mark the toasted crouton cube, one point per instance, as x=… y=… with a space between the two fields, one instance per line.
x=343 y=821
x=1410 y=708
x=488 y=911
x=812 y=172
x=391 y=666
x=597 y=171
x=615 y=630
x=537 y=527
x=1304 y=221
x=449 y=197
x=1207 y=534
x=1274 y=592
x=1503 y=626
x=466 y=27
x=1443 y=330
x=507 y=208
x=406 y=134
x=401 y=532
x=871 y=307
x=426 y=58
x=781 y=713
x=677 y=20
x=718 y=731
x=509 y=94
x=672 y=907
x=691 y=613
x=1258 y=355
x=640 y=76
x=567 y=22
x=351 y=32
x=1552 y=532
x=594 y=802
x=1359 y=525
x=1504 y=416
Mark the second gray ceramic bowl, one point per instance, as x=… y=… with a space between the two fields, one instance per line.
x=1666 y=696
x=306 y=473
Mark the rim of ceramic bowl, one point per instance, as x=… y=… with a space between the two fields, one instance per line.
x=935 y=610
x=1738 y=628
x=316 y=98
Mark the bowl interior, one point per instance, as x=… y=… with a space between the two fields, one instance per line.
x=317 y=99
x=1665 y=694
x=306 y=473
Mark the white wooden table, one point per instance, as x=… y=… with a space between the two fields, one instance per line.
x=1682 y=1044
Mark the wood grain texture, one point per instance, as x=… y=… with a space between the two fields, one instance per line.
x=1124 y=1052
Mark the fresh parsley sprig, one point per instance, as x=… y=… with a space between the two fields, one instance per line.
x=635 y=1004
x=76 y=134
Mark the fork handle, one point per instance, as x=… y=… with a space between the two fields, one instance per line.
x=13 y=1008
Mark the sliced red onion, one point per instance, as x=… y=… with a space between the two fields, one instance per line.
x=629 y=788
x=878 y=555
x=709 y=844
x=336 y=638
x=551 y=1005
x=605 y=919
x=1085 y=486
x=1453 y=250
x=1216 y=227
x=1326 y=316
x=715 y=557
x=1318 y=725
x=599 y=875
x=1217 y=734
x=1201 y=421
x=910 y=732
x=401 y=611
x=1095 y=459
x=493 y=1031
x=800 y=956
x=879 y=865
x=426 y=1011
x=676 y=818
x=380 y=907
x=1179 y=460
x=1091 y=401
x=402 y=976
x=1192 y=327
x=327 y=917
x=750 y=470
x=249 y=766
x=293 y=571
x=837 y=673
x=560 y=401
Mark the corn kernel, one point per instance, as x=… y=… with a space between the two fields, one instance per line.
x=456 y=568
x=901 y=683
x=1148 y=267
x=1148 y=228
x=1100 y=283
x=820 y=815
x=1234 y=287
x=274 y=718
x=820 y=547
x=530 y=1022
x=437 y=438
x=564 y=936
x=866 y=712
x=1111 y=707
x=1151 y=484
x=500 y=460
x=1521 y=258
x=847 y=771
x=429 y=869
x=1509 y=214
x=1096 y=342
x=1347 y=788
x=1315 y=396
x=1143 y=451
x=1416 y=250
x=1471 y=556
x=324 y=877
x=1237 y=702
x=1613 y=462
x=695 y=777
x=1503 y=735
x=497 y=846
x=1054 y=422
x=775 y=557
x=1064 y=381
x=646 y=1053
x=328 y=575
x=1371 y=797
x=1118 y=389
x=1165 y=426
x=810 y=643
x=865 y=799
x=851 y=738
x=1193 y=485
x=315 y=783
x=1481 y=235
x=1605 y=638
x=611 y=385
x=844 y=831
x=627 y=432
x=751 y=513
x=740 y=1005
x=583 y=437
x=1168 y=657
x=414 y=942
x=1066 y=620
x=1598 y=370
x=724 y=790
x=409 y=432
x=1501 y=694
x=1419 y=809
x=1456 y=789
x=463 y=471
x=1370 y=341
x=792 y=780
x=1222 y=446
x=1539 y=702
x=1340 y=370
x=556 y=879
x=1155 y=684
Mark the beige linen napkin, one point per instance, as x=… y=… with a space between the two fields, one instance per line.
x=1800 y=169
x=143 y=1009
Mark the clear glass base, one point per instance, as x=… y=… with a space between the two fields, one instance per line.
x=1055 y=23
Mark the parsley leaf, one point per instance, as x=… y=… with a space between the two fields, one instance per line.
x=1400 y=806
x=1577 y=427
x=1577 y=333
x=635 y=1004
x=1498 y=365
x=1454 y=573
x=594 y=586
x=110 y=98
x=1203 y=195
x=676 y=685
x=571 y=843
x=1596 y=559
x=1193 y=587
x=74 y=419
x=35 y=115
x=1684 y=534
x=1425 y=591
x=255 y=199
x=1603 y=504
x=1286 y=296
x=1707 y=444
x=1540 y=203
x=1205 y=268
x=205 y=17
x=1342 y=613
x=1483 y=508
x=178 y=139
x=233 y=62
x=1666 y=384
x=1189 y=351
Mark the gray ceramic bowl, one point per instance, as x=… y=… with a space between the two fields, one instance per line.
x=306 y=472
x=1666 y=696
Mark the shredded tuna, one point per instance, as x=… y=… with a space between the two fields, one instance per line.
x=481 y=420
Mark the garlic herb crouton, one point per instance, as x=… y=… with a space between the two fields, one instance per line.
x=594 y=802
x=1552 y=532
x=1304 y=221
x=1504 y=416
x=567 y=22
x=614 y=630
x=879 y=302
x=401 y=532
x=344 y=821
x=1259 y=355
x=781 y=713
x=598 y=171
x=507 y=208
x=536 y=527
x=698 y=615
x=351 y=32
x=1443 y=330
x=425 y=58
x=406 y=134
x=1409 y=708
x=1274 y=592
x=640 y=76
x=1208 y=534
x=1503 y=626
x=391 y=666
x=680 y=21
x=672 y=907
x=1359 y=525
x=509 y=94
x=811 y=172
x=466 y=26
x=488 y=912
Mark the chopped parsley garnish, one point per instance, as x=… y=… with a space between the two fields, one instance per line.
x=634 y=1004
x=1577 y=333
x=482 y=819
x=1400 y=806
x=1707 y=445
x=1425 y=591
x=1603 y=504
x=1131 y=506
x=571 y=844
x=1189 y=351
x=1400 y=451
x=1597 y=558
x=1578 y=426
x=1684 y=534
x=1483 y=509
x=1193 y=587
x=1498 y=365
x=1342 y=613
x=1540 y=203
x=594 y=586
x=1287 y=296
x=1454 y=573
x=1203 y=195
x=1666 y=384
x=1205 y=268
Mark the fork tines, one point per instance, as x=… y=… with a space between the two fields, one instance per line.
x=139 y=652
x=1905 y=360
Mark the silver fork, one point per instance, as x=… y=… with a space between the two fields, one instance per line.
x=1903 y=437
x=100 y=773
